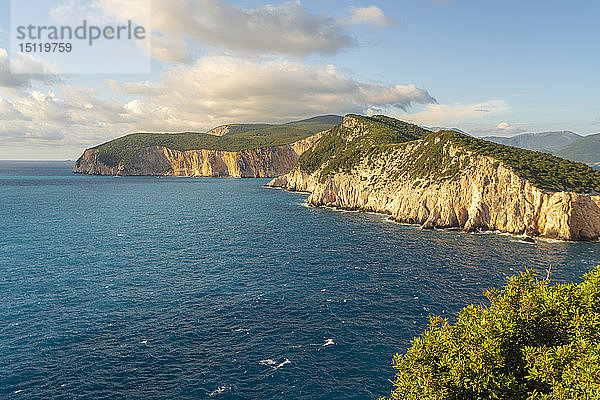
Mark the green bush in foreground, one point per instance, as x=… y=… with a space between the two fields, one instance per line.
x=533 y=341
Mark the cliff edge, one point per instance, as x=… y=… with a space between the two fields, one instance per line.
x=161 y=160
x=447 y=179
x=235 y=150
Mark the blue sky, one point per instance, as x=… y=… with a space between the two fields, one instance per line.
x=485 y=67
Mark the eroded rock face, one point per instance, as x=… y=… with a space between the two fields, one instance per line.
x=485 y=196
x=219 y=130
x=159 y=160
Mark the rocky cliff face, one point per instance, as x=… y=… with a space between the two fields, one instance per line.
x=160 y=160
x=219 y=130
x=485 y=195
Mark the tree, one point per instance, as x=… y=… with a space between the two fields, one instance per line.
x=534 y=341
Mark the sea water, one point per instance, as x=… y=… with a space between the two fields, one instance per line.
x=181 y=288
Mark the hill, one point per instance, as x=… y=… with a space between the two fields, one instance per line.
x=548 y=142
x=586 y=149
x=314 y=124
x=229 y=138
x=343 y=149
x=447 y=179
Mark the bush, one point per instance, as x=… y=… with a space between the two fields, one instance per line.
x=533 y=341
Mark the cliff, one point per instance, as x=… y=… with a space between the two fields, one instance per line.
x=161 y=160
x=236 y=150
x=446 y=179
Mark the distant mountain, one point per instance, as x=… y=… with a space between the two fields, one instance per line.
x=441 y=128
x=586 y=149
x=548 y=142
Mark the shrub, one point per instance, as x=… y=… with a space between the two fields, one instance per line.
x=534 y=341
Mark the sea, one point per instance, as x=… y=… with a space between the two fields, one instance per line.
x=211 y=288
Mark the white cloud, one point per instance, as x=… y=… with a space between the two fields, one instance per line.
x=74 y=11
x=219 y=89
x=370 y=15
x=76 y=116
x=287 y=29
x=10 y=70
x=507 y=128
x=211 y=91
x=452 y=114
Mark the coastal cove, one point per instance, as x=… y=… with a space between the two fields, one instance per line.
x=185 y=288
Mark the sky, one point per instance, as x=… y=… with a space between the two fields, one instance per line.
x=486 y=67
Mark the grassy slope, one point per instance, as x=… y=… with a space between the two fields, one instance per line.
x=243 y=137
x=338 y=152
x=586 y=149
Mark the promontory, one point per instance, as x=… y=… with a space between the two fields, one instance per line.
x=447 y=179
x=234 y=150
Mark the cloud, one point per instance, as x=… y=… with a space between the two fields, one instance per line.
x=211 y=91
x=76 y=116
x=451 y=114
x=287 y=29
x=219 y=89
x=37 y=69
x=508 y=129
x=370 y=15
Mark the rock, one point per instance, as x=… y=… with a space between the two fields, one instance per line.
x=485 y=195
x=159 y=160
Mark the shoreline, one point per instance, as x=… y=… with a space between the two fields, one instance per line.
x=522 y=236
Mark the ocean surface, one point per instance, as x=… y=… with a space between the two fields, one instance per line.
x=179 y=288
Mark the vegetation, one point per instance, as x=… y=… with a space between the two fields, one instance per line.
x=543 y=170
x=344 y=148
x=241 y=137
x=586 y=149
x=534 y=341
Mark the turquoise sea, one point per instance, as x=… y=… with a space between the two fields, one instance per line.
x=178 y=288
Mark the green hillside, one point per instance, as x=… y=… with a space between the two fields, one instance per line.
x=336 y=151
x=586 y=149
x=242 y=137
x=314 y=124
x=339 y=151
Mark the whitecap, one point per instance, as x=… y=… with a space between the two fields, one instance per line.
x=219 y=390
x=287 y=361
x=273 y=364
